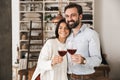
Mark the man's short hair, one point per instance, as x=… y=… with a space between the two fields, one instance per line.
x=74 y=5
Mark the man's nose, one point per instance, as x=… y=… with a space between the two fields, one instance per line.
x=69 y=18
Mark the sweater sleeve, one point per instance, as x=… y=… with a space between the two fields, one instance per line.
x=44 y=60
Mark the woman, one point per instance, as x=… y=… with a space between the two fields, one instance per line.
x=50 y=65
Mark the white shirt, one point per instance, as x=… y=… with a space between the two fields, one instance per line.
x=87 y=43
x=58 y=71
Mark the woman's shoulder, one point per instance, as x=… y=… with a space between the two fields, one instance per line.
x=51 y=40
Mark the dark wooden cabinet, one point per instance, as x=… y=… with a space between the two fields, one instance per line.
x=102 y=71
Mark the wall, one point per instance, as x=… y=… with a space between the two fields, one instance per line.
x=5 y=40
x=107 y=23
x=15 y=28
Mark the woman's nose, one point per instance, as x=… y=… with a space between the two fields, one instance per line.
x=63 y=29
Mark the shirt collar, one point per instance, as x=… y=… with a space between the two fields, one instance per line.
x=83 y=27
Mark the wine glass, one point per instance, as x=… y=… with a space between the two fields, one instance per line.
x=62 y=51
x=71 y=50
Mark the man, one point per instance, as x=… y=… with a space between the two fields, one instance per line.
x=85 y=40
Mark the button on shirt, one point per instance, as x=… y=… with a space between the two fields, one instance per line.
x=87 y=43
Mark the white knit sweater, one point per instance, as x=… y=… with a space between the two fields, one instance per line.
x=58 y=71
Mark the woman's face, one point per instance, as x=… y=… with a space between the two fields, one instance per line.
x=63 y=30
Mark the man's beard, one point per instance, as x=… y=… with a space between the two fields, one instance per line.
x=74 y=24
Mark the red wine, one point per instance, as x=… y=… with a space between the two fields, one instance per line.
x=62 y=53
x=71 y=51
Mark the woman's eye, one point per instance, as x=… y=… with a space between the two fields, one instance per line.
x=66 y=28
x=60 y=27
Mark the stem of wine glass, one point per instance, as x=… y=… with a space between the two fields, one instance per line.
x=71 y=66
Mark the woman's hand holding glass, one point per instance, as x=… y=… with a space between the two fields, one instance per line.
x=56 y=59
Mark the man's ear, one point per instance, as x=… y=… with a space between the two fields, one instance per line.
x=80 y=16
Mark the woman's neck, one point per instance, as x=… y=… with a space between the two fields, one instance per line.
x=62 y=40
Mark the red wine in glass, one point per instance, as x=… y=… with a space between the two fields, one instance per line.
x=62 y=53
x=71 y=51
